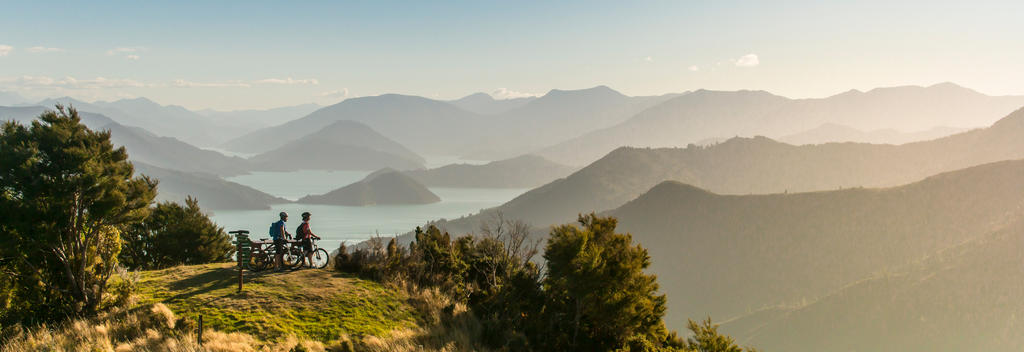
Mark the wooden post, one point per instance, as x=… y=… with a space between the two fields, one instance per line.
x=238 y=254
x=200 y=337
x=243 y=250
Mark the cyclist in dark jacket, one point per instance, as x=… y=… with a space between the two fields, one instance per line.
x=305 y=236
x=281 y=240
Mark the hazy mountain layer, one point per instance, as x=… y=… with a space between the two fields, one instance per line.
x=213 y=192
x=239 y=122
x=966 y=298
x=163 y=120
x=483 y=103
x=170 y=153
x=144 y=146
x=343 y=145
x=838 y=133
x=428 y=126
x=723 y=256
x=710 y=114
x=383 y=187
x=552 y=118
x=755 y=166
x=519 y=172
x=26 y=114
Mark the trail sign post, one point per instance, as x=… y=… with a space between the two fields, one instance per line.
x=242 y=253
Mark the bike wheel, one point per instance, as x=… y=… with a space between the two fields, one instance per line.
x=320 y=258
x=293 y=258
x=259 y=262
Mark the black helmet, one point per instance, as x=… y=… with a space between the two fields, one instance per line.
x=305 y=215
x=283 y=215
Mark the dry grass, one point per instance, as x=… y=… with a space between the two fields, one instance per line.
x=441 y=323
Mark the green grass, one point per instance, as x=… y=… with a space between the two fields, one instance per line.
x=315 y=304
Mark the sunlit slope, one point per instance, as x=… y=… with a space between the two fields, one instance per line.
x=315 y=304
x=760 y=165
x=724 y=256
x=967 y=298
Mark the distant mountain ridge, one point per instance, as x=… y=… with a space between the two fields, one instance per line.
x=756 y=166
x=829 y=133
x=709 y=114
x=722 y=255
x=426 y=125
x=213 y=193
x=342 y=145
x=483 y=103
x=519 y=172
x=970 y=289
x=382 y=187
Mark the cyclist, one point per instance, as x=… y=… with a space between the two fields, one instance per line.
x=305 y=236
x=278 y=233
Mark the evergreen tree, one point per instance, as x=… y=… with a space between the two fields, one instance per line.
x=175 y=234
x=64 y=192
x=599 y=297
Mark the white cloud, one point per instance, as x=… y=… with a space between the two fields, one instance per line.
x=190 y=84
x=6 y=49
x=43 y=49
x=288 y=81
x=504 y=93
x=129 y=52
x=693 y=68
x=334 y=94
x=749 y=60
x=649 y=59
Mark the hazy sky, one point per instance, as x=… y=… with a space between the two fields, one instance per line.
x=255 y=54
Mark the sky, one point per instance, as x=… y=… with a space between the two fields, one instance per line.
x=253 y=54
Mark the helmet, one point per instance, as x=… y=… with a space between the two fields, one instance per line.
x=305 y=215
x=283 y=214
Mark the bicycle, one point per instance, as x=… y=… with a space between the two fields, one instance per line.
x=319 y=257
x=264 y=255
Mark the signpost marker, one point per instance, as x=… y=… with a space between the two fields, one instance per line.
x=242 y=253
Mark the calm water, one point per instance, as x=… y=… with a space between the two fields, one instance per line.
x=351 y=224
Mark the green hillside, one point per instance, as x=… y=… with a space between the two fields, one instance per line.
x=314 y=304
x=727 y=255
x=966 y=298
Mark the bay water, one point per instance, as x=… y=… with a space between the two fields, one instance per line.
x=335 y=223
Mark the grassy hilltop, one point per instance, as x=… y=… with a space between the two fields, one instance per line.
x=320 y=305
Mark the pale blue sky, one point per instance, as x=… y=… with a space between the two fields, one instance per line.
x=254 y=54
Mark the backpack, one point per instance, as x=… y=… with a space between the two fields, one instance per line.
x=275 y=231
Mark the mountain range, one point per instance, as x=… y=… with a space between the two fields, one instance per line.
x=213 y=192
x=727 y=255
x=755 y=166
x=707 y=114
x=342 y=145
x=382 y=187
x=831 y=132
x=525 y=171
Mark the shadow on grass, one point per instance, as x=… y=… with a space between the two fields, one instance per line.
x=214 y=279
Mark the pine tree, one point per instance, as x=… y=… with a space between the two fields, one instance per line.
x=64 y=192
x=599 y=297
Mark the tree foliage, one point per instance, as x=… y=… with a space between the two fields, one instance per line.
x=594 y=295
x=175 y=234
x=64 y=193
x=599 y=294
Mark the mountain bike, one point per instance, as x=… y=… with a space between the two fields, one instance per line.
x=319 y=256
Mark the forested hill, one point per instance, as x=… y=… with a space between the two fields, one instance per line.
x=966 y=298
x=758 y=165
x=727 y=255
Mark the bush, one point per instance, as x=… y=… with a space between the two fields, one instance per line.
x=175 y=234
